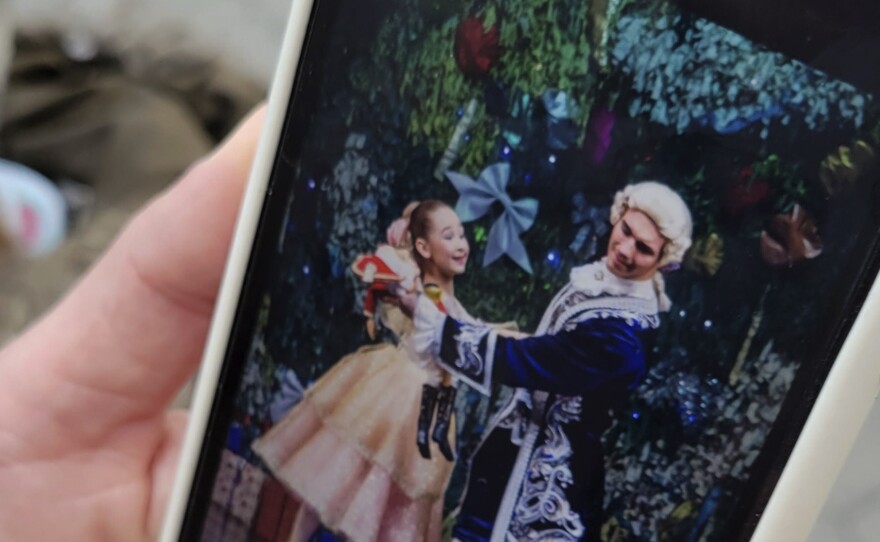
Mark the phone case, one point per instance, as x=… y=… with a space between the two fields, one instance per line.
x=504 y=274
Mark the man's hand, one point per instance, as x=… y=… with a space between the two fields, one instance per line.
x=87 y=449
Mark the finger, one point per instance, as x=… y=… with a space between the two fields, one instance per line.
x=179 y=245
x=164 y=469
x=129 y=335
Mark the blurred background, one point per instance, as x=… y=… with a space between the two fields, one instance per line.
x=104 y=102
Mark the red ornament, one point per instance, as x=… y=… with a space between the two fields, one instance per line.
x=745 y=192
x=476 y=48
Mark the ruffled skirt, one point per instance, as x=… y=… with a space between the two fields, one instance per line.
x=348 y=451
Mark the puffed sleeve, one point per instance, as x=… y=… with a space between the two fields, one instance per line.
x=595 y=354
x=463 y=350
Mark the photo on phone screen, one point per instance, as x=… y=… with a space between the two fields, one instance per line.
x=541 y=270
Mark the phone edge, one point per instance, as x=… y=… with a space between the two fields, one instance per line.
x=229 y=295
x=827 y=438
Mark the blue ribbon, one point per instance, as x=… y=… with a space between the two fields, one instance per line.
x=476 y=198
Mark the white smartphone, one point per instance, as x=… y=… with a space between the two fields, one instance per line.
x=545 y=270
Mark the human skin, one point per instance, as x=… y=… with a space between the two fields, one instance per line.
x=88 y=447
x=445 y=250
x=635 y=247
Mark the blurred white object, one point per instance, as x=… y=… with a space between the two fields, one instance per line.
x=33 y=211
x=244 y=35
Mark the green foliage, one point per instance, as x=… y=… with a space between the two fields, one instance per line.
x=545 y=45
x=437 y=89
x=526 y=296
x=784 y=176
x=702 y=198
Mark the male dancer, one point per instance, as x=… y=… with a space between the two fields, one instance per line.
x=539 y=472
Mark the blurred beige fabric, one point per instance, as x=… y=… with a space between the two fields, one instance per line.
x=244 y=35
x=127 y=137
x=5 y=45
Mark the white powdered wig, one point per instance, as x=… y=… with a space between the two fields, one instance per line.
x=668 y=211
x=671 y=216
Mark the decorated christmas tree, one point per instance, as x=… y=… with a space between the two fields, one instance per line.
x=530 y=116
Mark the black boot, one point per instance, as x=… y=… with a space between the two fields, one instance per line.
x=426 y=416
x=445 y=402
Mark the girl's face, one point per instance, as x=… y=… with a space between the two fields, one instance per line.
x=446 y=247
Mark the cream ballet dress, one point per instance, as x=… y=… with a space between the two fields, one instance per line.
x=348 y=450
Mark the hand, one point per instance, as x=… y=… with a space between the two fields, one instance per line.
x=87 y=448
x=407 y=299
x=511 y=333
x=372 y=332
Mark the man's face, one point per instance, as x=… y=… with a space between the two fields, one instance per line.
x=635 y=247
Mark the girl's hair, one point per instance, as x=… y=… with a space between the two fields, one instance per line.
x=420 y=225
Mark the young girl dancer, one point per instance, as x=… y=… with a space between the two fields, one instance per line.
x=346 y=451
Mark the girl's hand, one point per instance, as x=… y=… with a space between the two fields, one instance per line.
x=407 y=299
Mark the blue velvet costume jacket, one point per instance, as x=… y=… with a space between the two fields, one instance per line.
x=539 y=472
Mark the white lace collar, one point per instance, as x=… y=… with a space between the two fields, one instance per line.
x=596 y=280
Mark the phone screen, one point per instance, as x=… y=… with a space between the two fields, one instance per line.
x=545 y=270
